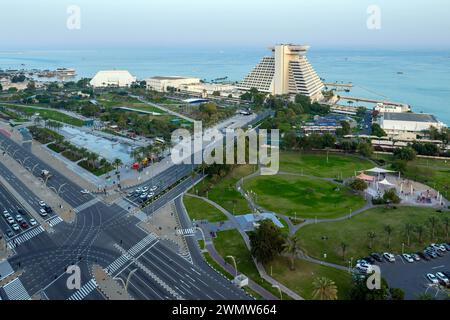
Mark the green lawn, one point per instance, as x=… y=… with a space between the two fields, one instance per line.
x=315 y=164
x=49 y=114
x=307 y=197
x=224 y=192
x=318 y=239
x=301 y=279
x=146 y=107
x=199 y=209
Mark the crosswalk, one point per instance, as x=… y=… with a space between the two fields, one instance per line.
x=54 y=221
x=16 y=291
x=25 y=237
x=84 y=291
x=186 y=232
x=128 y=255
x=86 y=205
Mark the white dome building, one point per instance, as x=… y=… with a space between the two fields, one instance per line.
x=112 y=78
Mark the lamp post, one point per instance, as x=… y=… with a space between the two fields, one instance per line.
x=128 y=279
x=234 y=262
x=203 y=236
x=279 y=289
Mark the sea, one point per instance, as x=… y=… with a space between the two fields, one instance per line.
x=418 y=78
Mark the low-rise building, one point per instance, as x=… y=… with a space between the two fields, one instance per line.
x=394 y=123
x=163 y=83
x=112 y=78
x=382 y=108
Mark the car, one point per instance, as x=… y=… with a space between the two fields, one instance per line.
x=389 y=257
x=33 y=222
x=10 y=220
x=145 y=189
x=42 y=212
x=442 y=278
x=415 y=256
x=15 y=227
x=439 y=253
x=362 y=262
x=446 y=246
x=24 y=225
x=21 y=212
x=438 y=247
x=138 y=190
x=154 y=188
x=408 y=258
x=431 y=254
x=6 y=213
x=432 y=278
x=151 y=194
x=48 y=209
x=130 y=194
x=369 y=260
x=84 y=191
x=144 y=195
x=424 y=256
x=447 y=274
x=19 y=218
x=10 y=233
x=377 y=257
x=364 y=268
x=42 y=203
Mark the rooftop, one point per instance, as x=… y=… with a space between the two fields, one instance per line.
x=169 y=78
x=408 y=116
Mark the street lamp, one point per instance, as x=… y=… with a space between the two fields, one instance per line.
x=403 y=248
x=279 y=289
x=234 y=262
x=129 y=277
x=203 y=235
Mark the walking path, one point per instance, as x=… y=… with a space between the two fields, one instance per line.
x=179 y=115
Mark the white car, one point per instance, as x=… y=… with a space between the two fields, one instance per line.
x=442 y=277
x=154 y=188
x=389 y=257
x=85 y=191
x=438 y=247
x=144 y=196
x=42 y=203
x=432 y=278
x=42 y=212
x=15 y=227
x=364 y=268
x=6 y=213
x=408 y=258
x=33 y=222
x=10 y=220
x=145 y=189
x=138 y=190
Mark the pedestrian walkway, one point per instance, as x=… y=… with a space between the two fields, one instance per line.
x=86 y=205
x=5 y=270
x=54 y=221
x=84 y=291
x=16 y=291
x=186 y=232
x=25 y=237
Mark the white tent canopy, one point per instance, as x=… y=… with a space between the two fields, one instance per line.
x=379 y=170
x=386 y=183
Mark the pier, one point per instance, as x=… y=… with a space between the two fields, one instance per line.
x=340 y=85
x=389 y=103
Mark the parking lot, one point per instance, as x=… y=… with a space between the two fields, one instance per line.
x=411 y=277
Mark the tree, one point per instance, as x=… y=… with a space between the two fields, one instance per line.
x=432 y=222
x=371 y=235
x=360 y=291
x=378 y=131
x=397 y=294
x=344 y=248
x=419 y=229
x=324 y=289
x=292 y=247
x=358 y=185
x=117 y=163
x=388 y=229
x=405 y=153
x=390 y=196
x=1 y=87
x=408 y=229
x=266 y=241
x=446 y=222
x=365 y=149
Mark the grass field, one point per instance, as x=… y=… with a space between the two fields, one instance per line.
x=49 y=114
x=199 y=209
x=224 y=192
x=301 y=279
x=315 y=164
x=307 y=197
x=326 y=238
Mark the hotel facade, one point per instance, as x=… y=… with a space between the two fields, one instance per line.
x=286 y=72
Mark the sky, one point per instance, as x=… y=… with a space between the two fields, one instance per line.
x=404 y=24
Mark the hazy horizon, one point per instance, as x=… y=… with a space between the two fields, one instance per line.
x=323 y=24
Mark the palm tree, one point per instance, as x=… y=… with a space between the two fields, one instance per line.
x=324 y=289
x=419 y=230
x=388 y=229
x=344 y=247
x=408 y=230
x=371 y=235
x=291 y=247
x=446 y=222
x=117 y=162
x=433 y=221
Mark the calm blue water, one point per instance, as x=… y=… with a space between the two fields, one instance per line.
x=424 y=84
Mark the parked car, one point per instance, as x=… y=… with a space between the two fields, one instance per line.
x=144 y=196
x=377 y=257
x=364 y=268
x=24 y=225
x=138 y=190
x=10 y=233
x=415 y=256
x=15 y=227
x=10 y=220
x=130 y=194
x=21 y=212
x=408 y=258
x=154 y=188
x=431 y=253
x=446 y=246
x=442 y=278
x=432 y=278
x=19 y=218
x=6 y=213
x=48 y=209
x=389 y=257
x=369 y=260
x=145 y=189
x=424 y=256
x=447 y=274
x=33 y=222
x=42 y=203
x=438 y=247
x=42 y=212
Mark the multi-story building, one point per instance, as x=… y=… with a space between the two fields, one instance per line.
x=112 y=78
x=288 y=71
x=395 y=123
x=161 y=84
